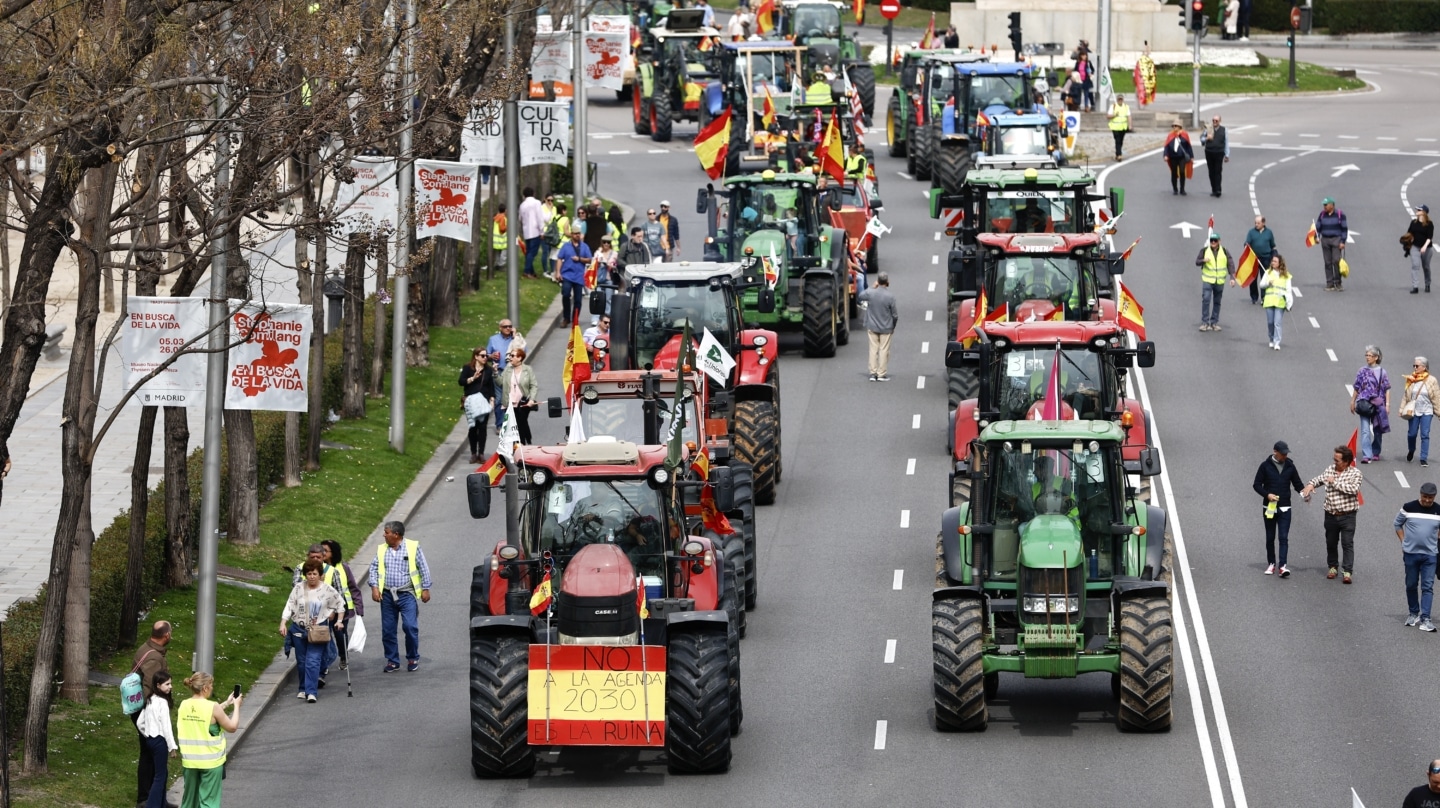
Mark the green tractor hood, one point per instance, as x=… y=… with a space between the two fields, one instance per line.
x=762 y=243
x=1051 y=541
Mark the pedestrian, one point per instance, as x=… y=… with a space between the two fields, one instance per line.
x=1333 y=230
x=952 y=38
x=153 y=722
x=1279 y=297
x=1422 y=237
x=595 y=226
x=634 y=251
x=1261 y=241
x=1422 y=393
x=600 y=330
x=881 y=317
x=1231 y=21
x=1216 y=143
x=708 y=20
x=477 y=379
x=1370 y=400
x=532 y=228
x=1178 y=155
x=616 y=218
x=308 y=614
x=549 y=237
x=1119 y=116
x=343 y=580
x=1215 y=267
x=149 y=661
x=671 y=240
x=605 y=274
x=499 y=228
x=498 y=346
x=1418 y=527
x=1342 y=483
x=398 y=572
x=1428 y=795
x=522 y=391
x=739 y=21
x=1273 y=482
x=202 y=746
x=570 y=263
x=654 y=235
x=1083 y=72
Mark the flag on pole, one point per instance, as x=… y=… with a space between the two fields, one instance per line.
x=1210 y=227
x=859 y=12
x=494 y=468
x=767 y=109
x=712 y=145
x=1050 y=409
x=543 y=596
x=592 y=273
x=1125 y=256
x=765 y=17
x=972 y=334
x=1247 y=268
x=640 y=606
x=634 y=36
x=928 y=40
x=577 y=426
x=577 y=361
x=981 y=119
x=1354 y=444
x=700 y=464
x=1129 y=314
x=1312 y=238
x=710 y=514
x=831 y=153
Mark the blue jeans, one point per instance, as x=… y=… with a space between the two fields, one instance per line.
x=1210 y=302
x=1420 y=568
x=570 y=310
x=532 y=254
x=156 y=753
x=308 y=658
x=1369 y=439
x=1279 y=525
x=1420 y=425
x=1273 y=316
x=405 y=606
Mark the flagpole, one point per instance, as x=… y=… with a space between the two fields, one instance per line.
x=644 y=663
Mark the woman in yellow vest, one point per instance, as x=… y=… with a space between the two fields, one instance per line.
x=200 y=729
x=1279 y=297
x=1119 y=116
x=499 y=226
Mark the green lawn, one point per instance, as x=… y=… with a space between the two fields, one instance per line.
x=1272 y=78
x=92 y=747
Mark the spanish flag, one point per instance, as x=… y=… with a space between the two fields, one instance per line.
x=1130 y=315
x=1057 y=315
x=710 y=515
x=640 y=605
x=1312 y=238
x=712 y=145
x=1000 y=315
x=767 y=109
x=706 y=43
x=765 y=17
x=577 y=360
x=859 y=12
x=543 y=597
x=972 y=334
x=1125 y=256
x=1247 y=267
x=592 y=273
x=1354 y=444
x=634 y=36
x=831 y=152
x=981 y=119
x=494 y=468
x=701 y=465
x=928 y=41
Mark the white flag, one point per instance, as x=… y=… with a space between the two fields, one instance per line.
x=715 y=361
x=270 y=360
x=482 y=141
x=577 y=427
x=445 y=198
x=509 y=438
x=544 y=132
x=876 y=228
x=604 y=55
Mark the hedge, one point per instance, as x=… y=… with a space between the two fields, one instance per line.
x=1343 y=16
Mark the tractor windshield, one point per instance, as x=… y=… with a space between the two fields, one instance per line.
x=1007 y=91
x=1073 y=482
x=573 y=513
x=1030 y=212
x=766 y=207
x=773 y=69
x=942 y=85
x=1021 y=375
x=1023 y=140
x=663 y=310
x=1052 y=278
x=624 y=419
x=815 y=20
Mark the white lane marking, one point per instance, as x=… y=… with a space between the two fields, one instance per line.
x=1400 y=477
x=1255 y=200
x=1347 y=150
x=620 y=151
x=919 y=382
x=657 y=151
x=910 y=466
x=925 y=195
x=1349 y=390
x=1314 y=323
x=880 y=735
x=1297 y=292
x=924 y=347
x=934 y=260
x=1243 y=128
x=899 y=582
x=1405 y=188
x=599 y=136
x=915 y=421
x=1330 y=352
x=905 y=518
x=937 y=235
x=1270 y=164
x=929 y=315
x=931 y=288
x=903 y=174
x=1348 y=137
x=1424 y=140
x=1378 y=137
x=1287 y=159
x=1306 y=134
x=1270 y=134
x=889 y=652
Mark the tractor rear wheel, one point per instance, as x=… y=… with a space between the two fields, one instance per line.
x=730 y=603
x=499 y=707
x=922 y=148
x=697 y=731
x=959 y=649
x=953 y=309
x=642 y=116
x=863 y=77
x=479 y=606
x=952 y=165
x=959 y=488
x=962 y=383
x=744 y=483
x=1147 y=674
x=757 y=442
x=892 y=127
x=844 y=305
x=942 y=579
x=733 y=548
x=660 y=116
x=819 y=315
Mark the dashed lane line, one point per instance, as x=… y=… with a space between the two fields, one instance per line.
x=905 y=518
x=937 y=235
x=1314 y=323
x=1400 y=478
x=889 y=652
x=1349 y=390
x=1348 y=137
x=924 y=347
x=899 y=581
x=657 y=151
x=1270 y=134
x=1298 y=292
x=934 y=260
x=880 y=736
x=919 y=382
x=910 y=467
x=915 y=421
x=1330 y=352
x=1380 y=137
x=1405 y=186
x=620 y=151
x=1307 y=134
x=931 y=287
x=929 y=315
x=903 y=175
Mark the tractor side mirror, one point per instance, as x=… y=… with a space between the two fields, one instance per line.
x=477 y=494
x=766 y=303
x=958 y=356
x=1145 y=354
x=1149 y=462
x=1117 y=265
x=597 y=302
x=876 y=204
x=1117 y=201
x=964 y=268
x=833 y=200
x=702 y=201
x=554 y=406
x=724 y=484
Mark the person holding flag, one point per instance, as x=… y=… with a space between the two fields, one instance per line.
x=1215 y=268
x=1260 y=241
x=1332 y=230
x=1279 y=297
x=1178 y=155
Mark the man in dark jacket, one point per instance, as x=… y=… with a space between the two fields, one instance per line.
x=1333 y=229
x=1273 y=482
x=635 y=250
x=149 y=660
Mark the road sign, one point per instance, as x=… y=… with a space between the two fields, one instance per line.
x=889 y=9
x=1294 y=18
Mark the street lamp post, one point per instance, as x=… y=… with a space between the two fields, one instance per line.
x=399 y=308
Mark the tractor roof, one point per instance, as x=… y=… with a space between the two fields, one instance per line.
x=981 y=68
x=684 y=271
x=769 y=178
x=601 y=456
x=1043 y=333
x=696 y=33
x=1011 y=119
x=794 y=3
x=1042 y=178
x=1025 y=243
x=950 y=57
x=1055 y=432
x=628 y=383
x=763 y=46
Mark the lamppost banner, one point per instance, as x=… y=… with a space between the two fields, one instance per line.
x=269 y=365
x=155 y=329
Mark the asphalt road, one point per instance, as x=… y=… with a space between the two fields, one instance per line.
x=1288 y=692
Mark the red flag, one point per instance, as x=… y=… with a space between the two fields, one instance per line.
x=712 y=145
x=592 y=273
x=928 y=40
x=640 y=607
x=1050 y=409
x=1247 y=267
x=544 y=596
x=831 y=152
x=1312 y=238
x=701 y=465
x=859 y=12
x=1210 y=226
x=999 y=315
x=1129 y=314
x=1354 y=444
x=1125 y=256
x=765 y=17
x=494 y=468
x=767 y=110
x=710 y=515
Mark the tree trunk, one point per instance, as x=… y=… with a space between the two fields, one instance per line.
x=243 y=522
x=317 y=357
x=444 y=283
x=377 y=360
x=4 y=244
x=178 y=539
x=75 y=656
x=417 y=347
x=139 y=514
x=352 y=403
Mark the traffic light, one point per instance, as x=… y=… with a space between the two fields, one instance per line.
x=1015 y=38
x=1197 y=15
x=1185 y=16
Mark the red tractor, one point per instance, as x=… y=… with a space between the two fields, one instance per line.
x=605 y=620
x=1013 y=362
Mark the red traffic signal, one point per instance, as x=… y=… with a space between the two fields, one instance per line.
x=1197 y=15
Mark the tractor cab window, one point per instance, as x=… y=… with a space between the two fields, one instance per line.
x=663 y=310
x=1053 y=278
x=1071 y=482
x=574 y=513
x=1023 y=375
x=1028 y=212
x=773 y=69
x=815 y=20
x=1023 y=140
x=942 y=85
x=767 y=208
x=1010 y=92
x=624 y=419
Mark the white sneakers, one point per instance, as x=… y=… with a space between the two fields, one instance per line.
x=1283 y=569
x=1270 y=570
x=1412 y=621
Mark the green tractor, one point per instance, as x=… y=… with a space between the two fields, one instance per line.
x=673 y=64
x=915 y=103
x=817 y=25
x=776 y=227
x=1051 y=567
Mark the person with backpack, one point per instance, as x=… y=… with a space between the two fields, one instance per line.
x=149 y=662
x=153 y=722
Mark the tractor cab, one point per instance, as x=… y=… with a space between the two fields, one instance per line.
x=747 y=75
x=1017 y=141
x=818 y=26
x=665 y=299
x=675 y=61
x=631 y=406
x=1038 y=274
x=770 y=215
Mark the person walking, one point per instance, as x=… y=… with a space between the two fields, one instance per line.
x=312 y=605
x=1084 y=73
x=499 y=240
x=1215 y=267
x=739 y=22
x=532 y=228
x=1342 y=483
x=1279 y=297
x=654 y=235
x=498 y=347
x=634 y=251
x=1422 y=393
x=570 y=264
x=1216 y=143
x=1273 y=482
x=1370 y=400
x=1422 y=237
x=1418 y=527
x=477 y=379
x=1334 y=231
x=1119 y=116
x=200 y=727
x=398 y=572
x=149 y=661
x=1178 y=154
x=1261 y=241
x=881 y=317
x=154 y=725
x=522 y=391
x=670 y=241
x=1428 y=795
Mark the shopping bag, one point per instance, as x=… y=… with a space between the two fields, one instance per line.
x=1190 y=171
x=1344 y=268
x=356 y=645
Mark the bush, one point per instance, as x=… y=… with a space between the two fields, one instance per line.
x=1343 y=16
x=942 y=6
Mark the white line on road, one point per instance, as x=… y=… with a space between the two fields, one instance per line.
x=1378 y=137
x=899 y=582
x=929 y=315
x=1270 y=134
x=915 y=421
x=880 y=735
x=919 y=382
x=1348 y=137
x=889 y=652
x=1270 y=164
x=1405 y=187
x=600 y=136
x=1314 y=323
x=934 y=260
x=1349 y=390
x=1330 y=352
x=1424 y=140
x=931 y=288
x=924 y=347
x=620 y=151
x=903 y=175
x=937 y=235
x=905 y=518
x=1297 y=292
x=1255 y=200
x=657 y=151
x=1288 y=159
x=1400 y=477
x=910 y=466
x=1306 y=134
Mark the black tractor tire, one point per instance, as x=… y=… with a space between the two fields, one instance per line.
x=893 y=125
x=641 y=112
x=660 y=116
x=952 y=166
x=922 y=148
x=819 y=316
x=624 y=93
x=779 y=432
x=942 y=579
x=953 y=307
x=872 y=257
x=697 y=697
x=958 y=643
x=744 y=483
x=731 y=604
x=1147 y=669
x=733 y=548
x=863 y=77
x=959 y=488
x=846 y=307
x=499 y=707
x=757 y=442
x=962 y=384
x=479 y=605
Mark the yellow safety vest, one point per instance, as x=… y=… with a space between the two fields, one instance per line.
x=199 y=749
x=497 y=233
x=412 y=549
x=342 y=586
x=855 y=166
x=1121 y=121
x=818 y=93
x=1213 y=270
x=1275 y=292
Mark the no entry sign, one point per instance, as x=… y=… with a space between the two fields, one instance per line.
x=889 y=9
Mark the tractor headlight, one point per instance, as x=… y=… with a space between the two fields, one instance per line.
x=660 y=476
x=1054 y=604
x=760 y=340
x=692 y=548
x=509 y=552
x=539 y=477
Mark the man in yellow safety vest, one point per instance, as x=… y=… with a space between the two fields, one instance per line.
x=1215 y=267
x=819 y=91
x=399 y=572
x=1119 y=116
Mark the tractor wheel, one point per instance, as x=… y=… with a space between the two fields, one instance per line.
x=642 y=116
x=942 y=580
x=872 y=257
x=1147 y=675
x=844 y=306
x=745 y=507
x=863 y=77
x=499 y=707
x=892 y=127
x=733 y=548
x=962 y=383
x=479 y=605
x=623 y=94
x=819 y=315
x=952 y=165
x=779 y=434
x=954 y=319
x=732 y=605
x=757 y=442
x=660 y=116
x=697 y=700
x=959 y=648
x=923 y=147
x=959 y=488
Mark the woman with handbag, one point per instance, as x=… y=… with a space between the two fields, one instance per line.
x=477 y=378
x=306 y=618
x=1371 y=401
x=522 y=391
x=1422 y=392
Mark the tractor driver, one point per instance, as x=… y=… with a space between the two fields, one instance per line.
x=1052 y=493
x=1030 y=219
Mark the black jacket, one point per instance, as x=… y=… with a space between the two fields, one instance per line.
x=1270 y=480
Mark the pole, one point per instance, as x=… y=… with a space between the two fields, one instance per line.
x=1102 y=53
x=1291 y=43
x=215 y=361
x=4 y=733
x=1195 y=86
x=582 y=167
x=890 y=46
x=512 y=184
x=400 y=308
